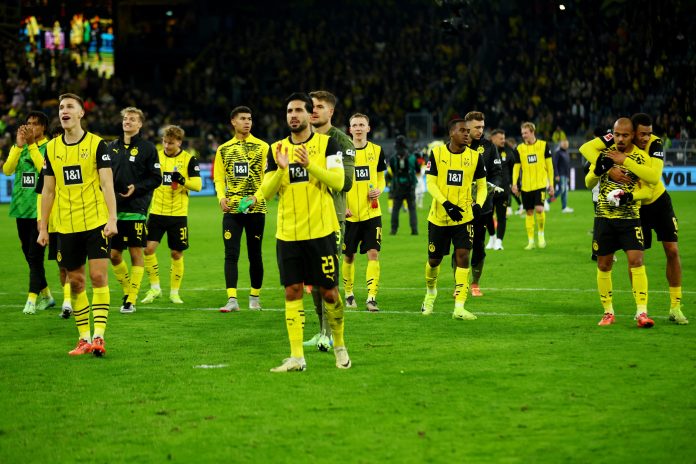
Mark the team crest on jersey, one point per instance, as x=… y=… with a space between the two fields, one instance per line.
x=84 y=154
x=480 y=149
x=134 y=152
x=431 y=247
x=228 y=235
x=59 y=257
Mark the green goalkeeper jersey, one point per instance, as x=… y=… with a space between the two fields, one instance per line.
x=26 y=174
x=348 y=152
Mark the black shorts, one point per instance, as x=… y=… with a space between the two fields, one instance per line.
x=74 y=248
x=533 y=198
x=659 y=216
x=367 y=234
x=439 y=238
x=176 y=228
x=611 y=235
x=52 y=246
x=131 y=234
x=313 y=262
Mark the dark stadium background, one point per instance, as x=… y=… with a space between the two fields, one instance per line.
x=410 y=65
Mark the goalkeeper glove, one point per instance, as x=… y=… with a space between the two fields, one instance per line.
x=245 y=204
x=453 y=211
x=618 y=197
x=177 y=177
x=604 y=164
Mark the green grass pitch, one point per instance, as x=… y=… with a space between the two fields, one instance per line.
x=534 y=379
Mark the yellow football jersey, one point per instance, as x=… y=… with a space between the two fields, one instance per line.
x=306 y=208
x=455 y=172
x=167 y=201
x=369 y=167
x=239 y=169
x=79 y=202
x=605 y=209
x=535 y=169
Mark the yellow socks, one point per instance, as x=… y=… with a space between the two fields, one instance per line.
x=80 y=306
x=66 y=294
x=231 y=293
x=100 y=309
x=255 y=292
x=675 y=295
x=294 y=321
x=177 y=274
x=541 y=220
x=135 y=278
x=348 y=272
x=32 y=297
x=372 y=276
x=604 y=285
x=529 y=225
x=152 y=268
x=46 y=292
x=121 y=273
x=461 y=285
x=335 y=315
x=431 y=274
x=640 y=288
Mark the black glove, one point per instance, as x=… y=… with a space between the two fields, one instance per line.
x=476 y=209
x=177 y=177
x=626 y=198
x=604 y=164
x=453 y=211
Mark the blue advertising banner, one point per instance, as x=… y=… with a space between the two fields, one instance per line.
x=208 y=189
x=679 y=178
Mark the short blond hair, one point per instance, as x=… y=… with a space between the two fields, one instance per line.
x=359 y=115
x=133 y=109
x=174 y=132
x=528 y=125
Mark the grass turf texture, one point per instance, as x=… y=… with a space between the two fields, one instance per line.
x=532 y=380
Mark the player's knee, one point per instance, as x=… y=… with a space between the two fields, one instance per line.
x=372 y=255
x=293 y=292
x=77 y=282
x=329 y=295
x=116 y=257
x=671 y=250
x=177 y=255
x=349 y=258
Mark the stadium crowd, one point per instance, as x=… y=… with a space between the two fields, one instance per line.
x=572 y=69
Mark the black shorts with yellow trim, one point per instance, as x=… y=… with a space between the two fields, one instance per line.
x=75 y=248
x=659 y=216
x=366 y=234
x=176 y=228
x=533 y=198
x=611 y=235
x=313 y=262
x=131 y=234
x=460 y=236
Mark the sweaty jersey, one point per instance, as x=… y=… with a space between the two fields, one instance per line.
x=536 y=172
x=630 y=210
x=306 y=207
x=369 y=165
x=26 y=163
x=167 y=201
x=454 y=173
x=239 y=169
x=79 y=203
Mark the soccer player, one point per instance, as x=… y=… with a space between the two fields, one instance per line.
x=239 y=168
x=324 y=104
x=561 y=167
x=136 y=175
x=451 y=170
x=364 y=215
x=656 y=212
x=303 y=168
x=475 y=122
x=501 y=201
x=617 y=221
x=534 y=158
x=169 y=213
x=25 y=160
x=78 y=190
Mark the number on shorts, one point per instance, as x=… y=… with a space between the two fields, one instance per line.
x=639 y=234
x=379 y=233
x=183 y=234
x=139 y=227
x=328 y=266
